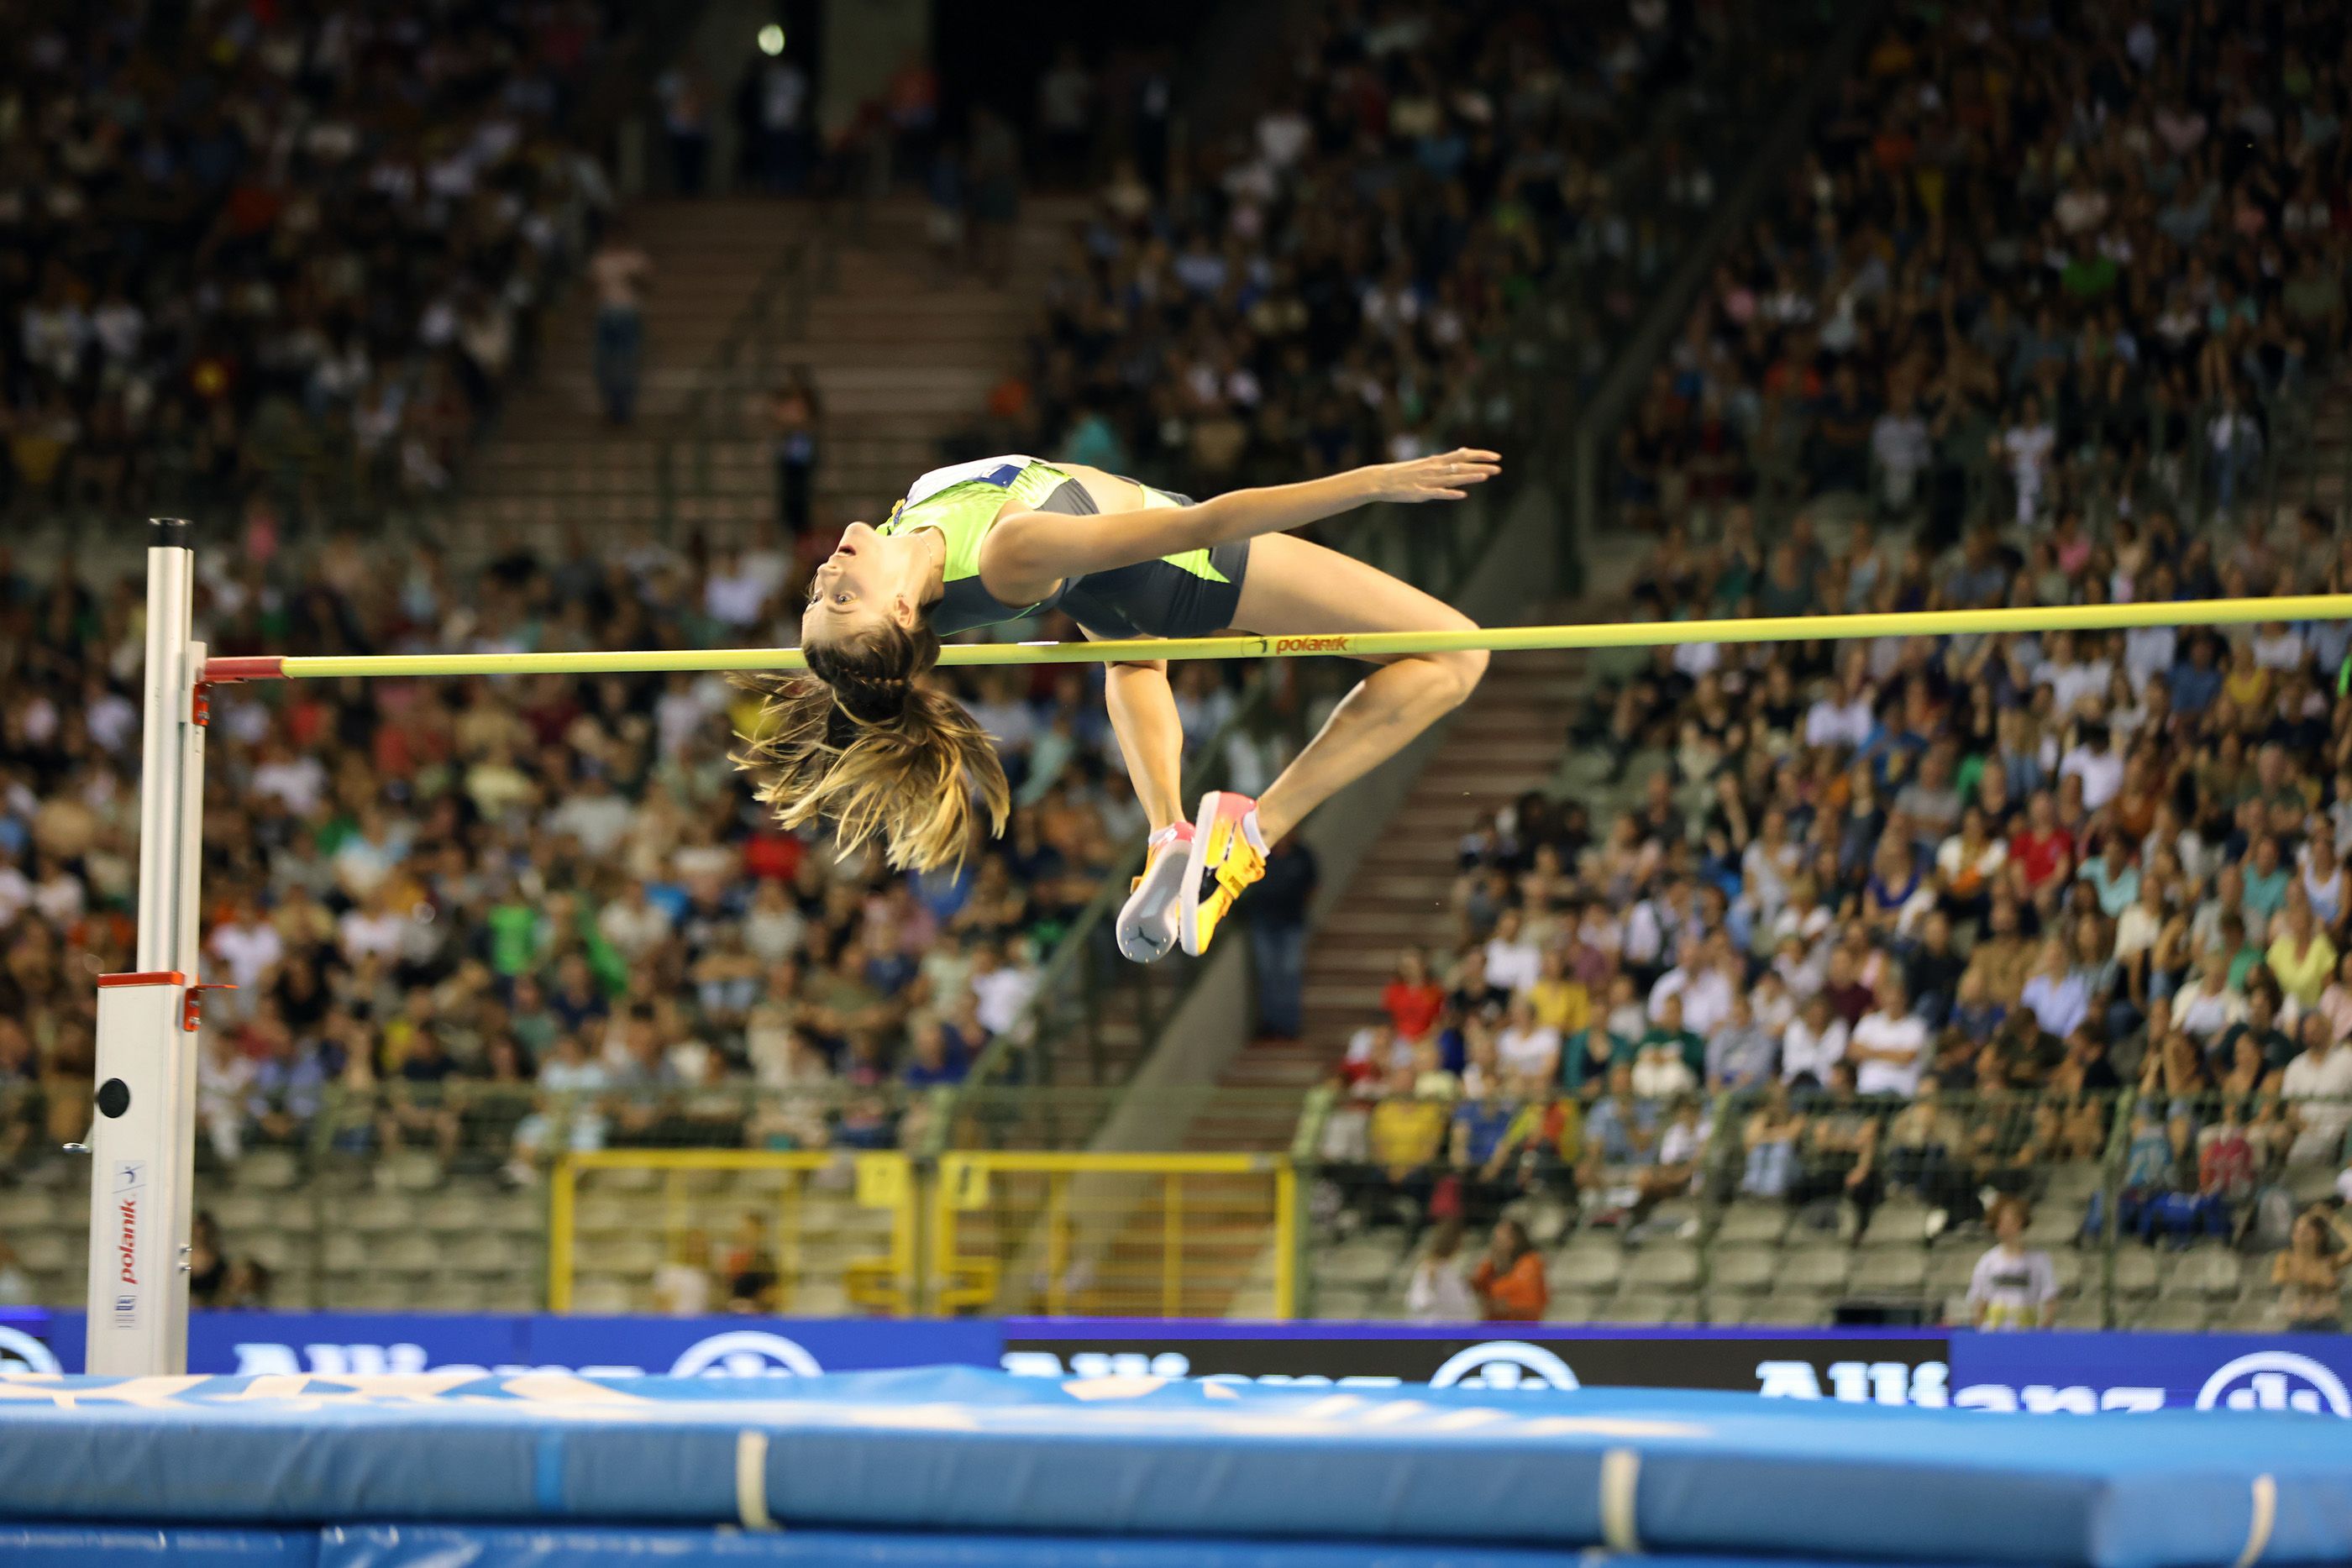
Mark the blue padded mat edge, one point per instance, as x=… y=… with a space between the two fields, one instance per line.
x=975 y=1452
x=616 y=1546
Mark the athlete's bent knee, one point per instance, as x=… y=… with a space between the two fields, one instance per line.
x=1460 y=674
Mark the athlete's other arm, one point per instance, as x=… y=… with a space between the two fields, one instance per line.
x=1038 y=549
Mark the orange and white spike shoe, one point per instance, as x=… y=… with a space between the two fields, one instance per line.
x=1224 y=860
x=1147 y=921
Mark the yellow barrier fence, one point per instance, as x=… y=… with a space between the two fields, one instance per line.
x=814 y=1233
x=1114 y=1234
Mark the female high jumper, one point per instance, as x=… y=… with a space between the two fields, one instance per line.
x=869 y=745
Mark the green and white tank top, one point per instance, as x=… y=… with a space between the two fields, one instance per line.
x=1150 y=598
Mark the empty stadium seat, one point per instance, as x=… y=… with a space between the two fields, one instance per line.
x=415 y=1251
x=266 y=1170
x=1739 y=1269
x=1898 y=1222
x=380 y=1212
x=455 y=1212
x=1890 y=1272
x=2074 y=1313
x=817 y=1299
x=2136 y=1270
x=2072 y=1182
x=1366 y=1263
x=1753 y=1220
x=1341 y=1305
x=1663 y=1266
x=1649 y=1307
x=236 y=1211
x=1791 y=1309
x=1587 y=1263
x=481 y=1253
x=26 y=1209
x=1952 y=1265
x=2206 y=1271
x=2056 y=1223
x=271 y=1247
x=1817 y=1267
x=2251 y=1317
x=2068 y=1265
x=410 y=1170
x=1572 y=1307
x=42 y=1252
x=600 y=1294
x=2172 y=1313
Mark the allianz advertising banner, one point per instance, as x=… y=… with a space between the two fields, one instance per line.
x=2056 y=1373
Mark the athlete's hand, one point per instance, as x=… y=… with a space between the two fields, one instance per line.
x=1444 y=478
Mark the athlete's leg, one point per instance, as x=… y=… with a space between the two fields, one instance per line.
x=1151 y=736
x=1295 y=586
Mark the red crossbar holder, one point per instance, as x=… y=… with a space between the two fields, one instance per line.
x=192 y=1009
x=222 y=672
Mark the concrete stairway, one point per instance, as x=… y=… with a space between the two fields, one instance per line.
x=2320 y=473
x=901 y=354
x=1506 y=741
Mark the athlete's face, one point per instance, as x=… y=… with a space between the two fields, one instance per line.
x=867 y=578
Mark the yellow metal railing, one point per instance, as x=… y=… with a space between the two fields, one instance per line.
x=1173 y=1235
x=806 y=1230
x=1114 y=1234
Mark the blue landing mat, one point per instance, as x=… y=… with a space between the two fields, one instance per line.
x=492 y=1546
x=966 y=1451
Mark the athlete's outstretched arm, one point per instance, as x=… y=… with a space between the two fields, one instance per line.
x=1031 y=548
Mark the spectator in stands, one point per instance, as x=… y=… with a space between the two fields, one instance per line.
x=1509 y=1280
x=795 y=415
x=1437 y=1294
x=749 y=1266
x=1770 y=1141
x=2318 y=1087
x=1839 y=1155
x=207 y=1267
x=1277 y=914
x=1742 y=1054
x=15 y=1285
x=1888 y=1047
x=1413 y=999
x=622 y=274
x=2013 y=1286
x=682 y=1284
x=1407 y=1137
x=2306 y=1273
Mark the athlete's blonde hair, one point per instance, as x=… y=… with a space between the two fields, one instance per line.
x=862 y=742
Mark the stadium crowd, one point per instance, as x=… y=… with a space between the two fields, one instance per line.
x=1329 y=288
x=558 y=888
x=1929 y=911
x=267 y=254
x=2095 y=242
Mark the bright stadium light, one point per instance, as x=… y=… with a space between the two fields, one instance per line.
x=772 y=39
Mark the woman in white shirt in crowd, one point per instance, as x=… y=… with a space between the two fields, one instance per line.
x=1813 y=1042
x=1437 y=1292
x=2322 y=873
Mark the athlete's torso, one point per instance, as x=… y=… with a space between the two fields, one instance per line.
x=1170 y=596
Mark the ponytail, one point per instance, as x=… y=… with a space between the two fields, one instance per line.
x=862 y=743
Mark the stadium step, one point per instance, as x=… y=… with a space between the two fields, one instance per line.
x=901 y=357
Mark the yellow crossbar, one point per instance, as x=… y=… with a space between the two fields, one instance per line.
x=1346 y=644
